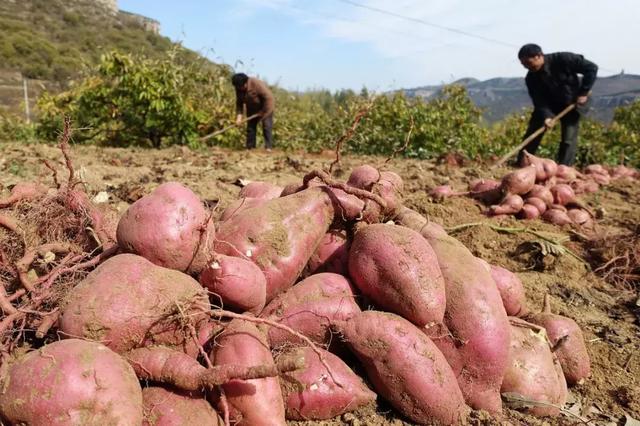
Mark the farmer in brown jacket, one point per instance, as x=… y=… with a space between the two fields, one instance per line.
x=259 y=100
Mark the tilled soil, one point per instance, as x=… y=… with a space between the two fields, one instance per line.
x=609 y=315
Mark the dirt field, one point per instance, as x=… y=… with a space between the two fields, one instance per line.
x=609 y=315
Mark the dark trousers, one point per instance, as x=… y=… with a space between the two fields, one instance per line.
x=569 y=143
x=252 y=130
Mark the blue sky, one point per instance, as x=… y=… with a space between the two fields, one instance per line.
x=391 y=44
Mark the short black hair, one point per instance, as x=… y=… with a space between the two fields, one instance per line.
x=529 y=51
x=239 y=79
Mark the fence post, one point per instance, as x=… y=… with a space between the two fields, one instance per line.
x=26 y=100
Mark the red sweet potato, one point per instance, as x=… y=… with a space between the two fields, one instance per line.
x=528 y=212
x=251 y=402
x=541 y=192
x=170 y=227
x=310 y=306
x=128 y=302
x=258 y=189
x=23 y=191
x=537 y=162
x=165 y=407
x=538 y=203
x=567 y=341
x=557 y=217
x=533 y=371
x=486 y=190
x=397 y=269
x=414 y=220
x=331 y=255
x=281 y=235
x=387 y=184
x=567 y=173
x=511 y=291
x=363 y=177
x=162 y=365
x=405 y=367
x=511 y=204
x=390 y=187
x=237 y=283
x=441 y=192
x=311 y=393
x=475 y=338
x=520 y=181
x=71 y=382
x=239 y=205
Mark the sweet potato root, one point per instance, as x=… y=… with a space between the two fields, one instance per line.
x=168 y=407
x=71 y=382
x=170 y=227
x=405 y=367
x=397 y=269
x=128 y=302
x=251 y=402
x=311 y=394
x=310 y=307
x=237 y=283
x=534 y=372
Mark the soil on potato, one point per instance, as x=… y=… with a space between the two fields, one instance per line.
x=609 y=316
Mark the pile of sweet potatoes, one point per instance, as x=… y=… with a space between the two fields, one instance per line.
x=302 y=303
x=542 y=189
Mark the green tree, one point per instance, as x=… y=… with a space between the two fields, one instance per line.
x=141 y=101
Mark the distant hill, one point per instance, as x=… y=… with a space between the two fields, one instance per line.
x=501 y=96
x=50 y=42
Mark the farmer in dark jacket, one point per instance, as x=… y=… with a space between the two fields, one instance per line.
x=553 y=84
x=258 y=99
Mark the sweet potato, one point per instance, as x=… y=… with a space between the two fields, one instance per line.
x=311 y=393
x=405 y=367
x=281 y=235
x=511 y=291
x=533 y=371
x=165 y=407
x=387 y=184
x=162 y=365
x=538 y=203
x=237 y=283
x=71 y=382
x=239 y=205
x=441 y=192
x=170 y=227
x=414 y=220
x=397 y=269
x=475 y=338
x=363 y=177
x=537 y=162
x=331 y=255
x=310 y=306
x=541 y=192
x=251 y=402
x=567 y=173
x=567 y=341
x=258 y=189
x=23 y=191
x=520 y=181
x=390 y=187
x=511 y=204
x=580 y=217
x=528 y=212
x=486 y=190
x=128 y=302
x=557 y=217
x=563 y=194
